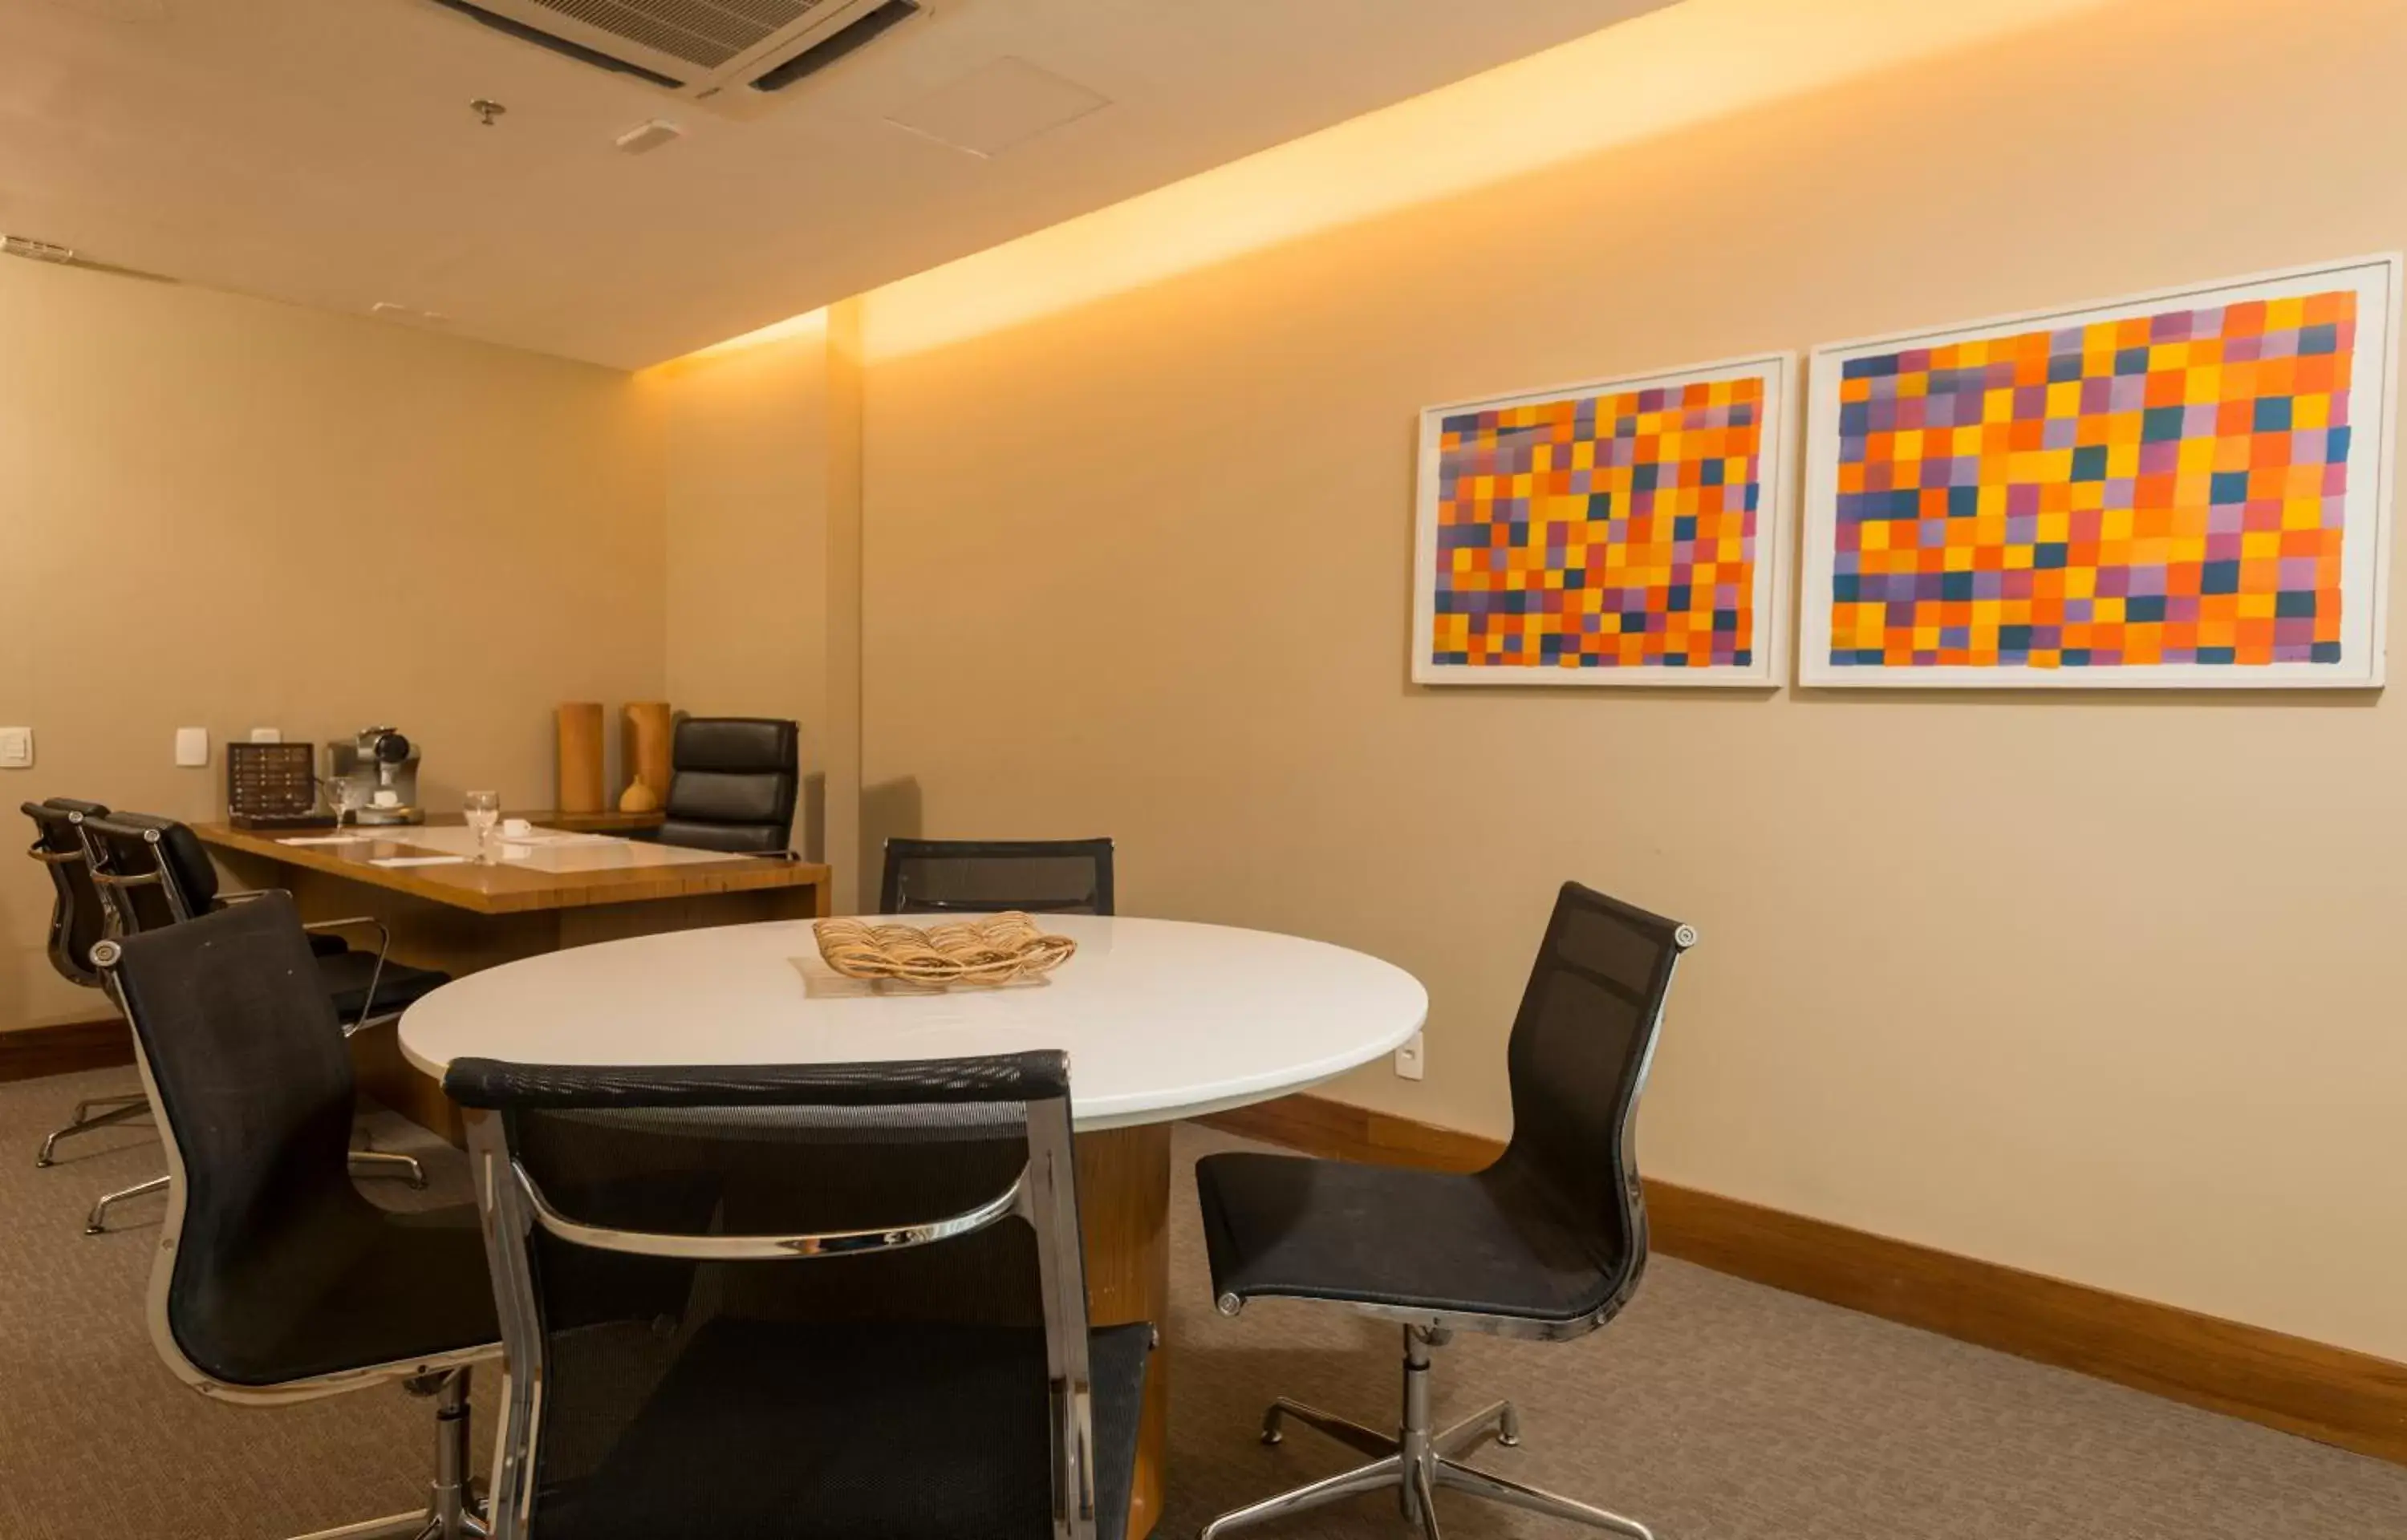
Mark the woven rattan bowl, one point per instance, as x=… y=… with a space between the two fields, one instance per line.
x=1003 y=949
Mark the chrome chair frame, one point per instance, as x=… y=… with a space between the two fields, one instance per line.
x=1043 y=1195
x=79 y=970
x=1422 y=1458
x=112 y=886
x=451 y=1507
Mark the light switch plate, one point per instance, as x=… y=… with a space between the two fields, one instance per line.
x=1412 y=1060
x=191 y=746
x=16 y=748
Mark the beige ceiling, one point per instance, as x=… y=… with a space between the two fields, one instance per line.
x=322 y=151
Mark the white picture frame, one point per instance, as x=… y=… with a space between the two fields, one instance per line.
x=1768 y=583
x=2365 y=512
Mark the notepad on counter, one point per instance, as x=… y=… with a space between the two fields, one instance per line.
x=418 y=861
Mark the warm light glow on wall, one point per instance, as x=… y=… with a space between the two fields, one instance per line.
x=809 y=323
x=1662 y=71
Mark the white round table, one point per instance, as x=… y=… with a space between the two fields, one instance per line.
x=1161 y=1019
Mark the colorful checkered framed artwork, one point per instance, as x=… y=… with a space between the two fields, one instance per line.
x=1624 y=531
x=2189 y=488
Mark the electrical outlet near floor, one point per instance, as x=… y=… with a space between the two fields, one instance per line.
x=1411 y=1060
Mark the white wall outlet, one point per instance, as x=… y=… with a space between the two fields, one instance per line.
x=1412 y=1060
x=16 y=748
x=191 y=746
x=267 y=735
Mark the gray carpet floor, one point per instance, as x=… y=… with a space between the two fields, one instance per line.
x=1714 y=1409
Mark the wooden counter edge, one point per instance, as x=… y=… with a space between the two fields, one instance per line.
x=754 y=873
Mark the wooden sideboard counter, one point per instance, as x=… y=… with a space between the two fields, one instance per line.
x=564 y=890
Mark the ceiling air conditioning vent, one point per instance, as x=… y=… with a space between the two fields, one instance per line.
x=729 y=55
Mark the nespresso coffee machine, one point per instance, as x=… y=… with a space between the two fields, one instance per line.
x=381 y=767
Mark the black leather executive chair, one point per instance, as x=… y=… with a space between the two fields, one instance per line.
x=274 y=1280
x=1547 y=1243
x=1035 y=876
x=732 y=781
x=811 y=1303
x=77 y=920
x=154 y=873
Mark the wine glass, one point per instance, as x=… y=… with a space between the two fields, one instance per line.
x=342 y=795
x=484 y=810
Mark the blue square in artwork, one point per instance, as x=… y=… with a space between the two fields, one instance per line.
x=2162 y=424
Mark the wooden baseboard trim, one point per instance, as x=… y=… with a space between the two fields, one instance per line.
x=2332 y=1394
x=31 y=1053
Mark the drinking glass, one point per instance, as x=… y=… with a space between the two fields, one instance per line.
x=342 y=795
x=484 y=810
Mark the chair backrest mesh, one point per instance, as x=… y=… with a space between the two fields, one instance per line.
x=1039 y=876
x=812 y=1346
x=78 y=917
x=255 y=1089
x=1578 y=1058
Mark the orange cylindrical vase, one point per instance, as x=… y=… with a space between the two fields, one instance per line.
x=647 y=727
x=580 y=756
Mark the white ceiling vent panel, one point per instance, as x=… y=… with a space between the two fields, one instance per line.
x=733 y=56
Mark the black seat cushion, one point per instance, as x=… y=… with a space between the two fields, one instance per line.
x=360 y=1286
x=1488 y=1243
x=734 y=839
x=799 y=1430
x=346 y=975
x=327 y=944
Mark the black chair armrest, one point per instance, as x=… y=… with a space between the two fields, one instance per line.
x=384 y=944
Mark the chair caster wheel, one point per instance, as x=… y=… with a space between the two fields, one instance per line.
x=1272 y=1438
x=1512 y=1443
x=95 y=1229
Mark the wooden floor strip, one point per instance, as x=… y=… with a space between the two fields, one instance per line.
x=2333 y=1394
x=32 y=1051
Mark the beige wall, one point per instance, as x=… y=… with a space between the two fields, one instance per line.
x=2102 y=986
x=762 y=508
x=218 y=512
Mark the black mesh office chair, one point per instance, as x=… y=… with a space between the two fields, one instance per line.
x=274 y=1280
x=152 y=873
x=732 y=781
x=77 y=922
x=799 y=1303
x=1037 y=876
x=1546 y=1243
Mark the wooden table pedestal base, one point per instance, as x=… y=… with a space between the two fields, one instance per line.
x=1124 y=1213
